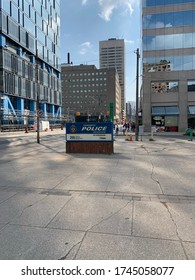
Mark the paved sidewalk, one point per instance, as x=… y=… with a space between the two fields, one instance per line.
x=138 y=203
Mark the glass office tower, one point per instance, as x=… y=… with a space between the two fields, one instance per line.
x=29 y=60
x=168 y=53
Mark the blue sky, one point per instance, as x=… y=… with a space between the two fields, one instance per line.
x=86 y=22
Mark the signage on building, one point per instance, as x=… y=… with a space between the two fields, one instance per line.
x=92 y=131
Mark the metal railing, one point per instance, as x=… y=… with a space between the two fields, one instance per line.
x=10 y=122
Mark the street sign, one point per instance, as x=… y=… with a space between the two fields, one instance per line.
x=89 y=131
x=40 y=113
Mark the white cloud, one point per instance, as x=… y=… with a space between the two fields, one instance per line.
x=108 y=6
x=84 y=2
x=129 y=42
x=85 y=47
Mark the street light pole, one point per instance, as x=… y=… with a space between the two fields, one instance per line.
x=137 y=92
x=38 y=128
x=37 y=101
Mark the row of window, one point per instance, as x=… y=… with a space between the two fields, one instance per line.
x=170 y=86
x=169 y=63
x=28 y=17
x=34 y=3
x=20 y=35
x=83 y=74
x=28 y=89
x=84 y=80
x=46 y=33
x=92 y=98
x=84 y=102
x=148 y=3
x=85 y=85
x=164 y=20
x=172 y=41
x=164 y=87
x=28 y=70
x=85 y=91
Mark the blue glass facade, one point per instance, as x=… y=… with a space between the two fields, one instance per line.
x=30 y=56
x=168 y=44
x=166 y=31
x=150 y=3
x=170 y=19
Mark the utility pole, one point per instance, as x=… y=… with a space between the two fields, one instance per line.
x=137 y=93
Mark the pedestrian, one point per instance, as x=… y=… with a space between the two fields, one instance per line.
x=133 y=127
x=117 y=129
x=124 y=128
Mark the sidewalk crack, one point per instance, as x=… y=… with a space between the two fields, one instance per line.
x=81 y=242
x=64 y=258
x=176 y=229
x=110 y=216
x=58 y=212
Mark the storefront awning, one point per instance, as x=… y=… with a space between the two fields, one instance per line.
x=165 y=110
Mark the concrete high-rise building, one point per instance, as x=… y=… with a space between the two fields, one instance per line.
x=112 y=54
x=30 y=60
x=168 y=88
x=88 y=91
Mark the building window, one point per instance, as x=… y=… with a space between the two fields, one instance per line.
x=164 y=86
x=170 y=41
x=191 y=110
x=165 y=110
x=170 y=19
x=6 y=6
x=191 y=86
x=14 y=12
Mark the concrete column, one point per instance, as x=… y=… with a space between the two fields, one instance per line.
x=52 y=113
x=146 y=105
x=52 y=110
x=20 y=107
x=5 y=106
x=59 y=111
x=44 y=109
x=183 y=104
x=32 y=106
x=5 y=111
x=32 y=111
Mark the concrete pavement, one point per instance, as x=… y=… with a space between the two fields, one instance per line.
x=138 y=203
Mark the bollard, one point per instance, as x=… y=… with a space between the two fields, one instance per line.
x=153 y=129
x=131 y=138
x=26 y=129
x=51 y=128
x=61 y=127
x=191 y=135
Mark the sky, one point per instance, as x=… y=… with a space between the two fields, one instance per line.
x=86 y=22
